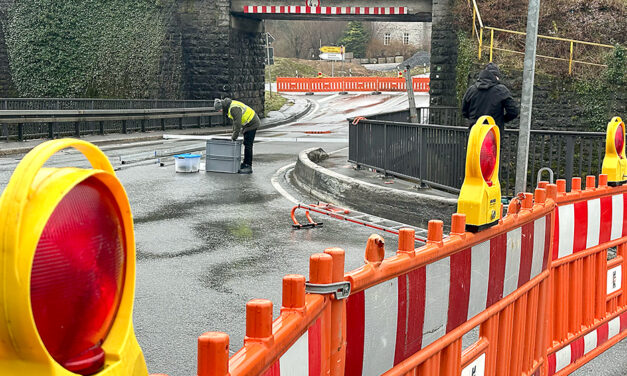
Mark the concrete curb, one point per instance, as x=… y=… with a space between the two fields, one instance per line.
x=412 y=208
x=159 y=136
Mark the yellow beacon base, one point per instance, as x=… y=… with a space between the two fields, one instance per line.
x=480 y=196
x=614 y=162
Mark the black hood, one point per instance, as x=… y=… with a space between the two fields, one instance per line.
x=226 y=103
x=486 y=80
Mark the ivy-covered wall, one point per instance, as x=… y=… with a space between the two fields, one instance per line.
x=174 y=49
x=91 y=48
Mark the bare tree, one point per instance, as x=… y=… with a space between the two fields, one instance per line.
x=302 y=39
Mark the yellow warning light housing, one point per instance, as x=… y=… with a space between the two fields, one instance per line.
x=614 y=162
x=26 y=206
x=480 y=196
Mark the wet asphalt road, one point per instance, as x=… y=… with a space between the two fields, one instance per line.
x=207 y=243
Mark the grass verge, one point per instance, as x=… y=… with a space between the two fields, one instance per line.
x=274 y=102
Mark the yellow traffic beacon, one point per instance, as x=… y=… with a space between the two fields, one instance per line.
x=615 y=163
x=480 y=196
x=68 y=269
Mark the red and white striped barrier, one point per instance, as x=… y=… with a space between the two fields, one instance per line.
x=297 y=9
x=350 y=84
x=389 y=322
x=585 y=344
x=585 y=224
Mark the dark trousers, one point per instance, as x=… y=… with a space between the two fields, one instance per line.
x=249 y=139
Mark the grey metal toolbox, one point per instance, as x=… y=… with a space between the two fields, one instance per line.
x=223 y=155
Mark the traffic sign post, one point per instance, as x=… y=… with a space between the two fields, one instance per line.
x=68 y=273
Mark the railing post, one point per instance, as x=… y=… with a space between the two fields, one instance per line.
x=480 y=41
x=385 y=149
x=77 y=129
x=20 y=132
x=491 y=43
x=162 y=124
x=143 y=125
x=422 y=163
x=50 y=130
x=570 y=61
x=101 y=127
x=570 y=155
x=180 y=123
x=357 y=156
x=124 y=126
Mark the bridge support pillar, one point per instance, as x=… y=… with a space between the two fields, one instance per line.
x=443 y=55
x=222 y=55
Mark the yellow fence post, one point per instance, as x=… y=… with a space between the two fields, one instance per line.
x=491 y=42
x=480 y=41
x=570 y=62
x=474 y=18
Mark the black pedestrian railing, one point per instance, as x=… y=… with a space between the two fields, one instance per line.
x=41 y=123
x=426 y=115
x=436 y=154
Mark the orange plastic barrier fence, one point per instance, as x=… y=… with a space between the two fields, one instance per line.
x=538 y=286
x=349 y=84
x=588 y=300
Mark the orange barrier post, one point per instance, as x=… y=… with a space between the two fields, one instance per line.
x=213 y=354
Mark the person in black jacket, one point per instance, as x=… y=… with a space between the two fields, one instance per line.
x=488 y=96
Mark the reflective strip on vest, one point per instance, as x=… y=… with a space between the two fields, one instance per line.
x=247 y=113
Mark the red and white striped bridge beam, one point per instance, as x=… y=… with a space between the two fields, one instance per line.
x=389 y=10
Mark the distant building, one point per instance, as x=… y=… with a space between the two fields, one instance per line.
x=415 y=34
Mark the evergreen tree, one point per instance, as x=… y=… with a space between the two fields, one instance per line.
x=355 y=39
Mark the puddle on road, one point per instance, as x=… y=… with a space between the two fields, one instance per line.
x=213 y=235
x=216 y=277
x=230 y=196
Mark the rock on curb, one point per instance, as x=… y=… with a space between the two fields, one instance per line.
x=412 y=208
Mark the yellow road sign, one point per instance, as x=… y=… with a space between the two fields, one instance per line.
x=331 y=49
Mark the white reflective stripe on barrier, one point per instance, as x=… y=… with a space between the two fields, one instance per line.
x=381 y=318
x=296 y=360
x=437 y=299
x=614 y=277
x=479 y=279
x=391 y=321
x=588 y=223
x=304 y=357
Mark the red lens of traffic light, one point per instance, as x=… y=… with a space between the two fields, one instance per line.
x=619 y=141
x=487 y=158
x=78 y=275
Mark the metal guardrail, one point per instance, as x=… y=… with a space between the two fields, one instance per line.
x=21 y=124
x=426 y=115
x=436 y=154
x=96 y=104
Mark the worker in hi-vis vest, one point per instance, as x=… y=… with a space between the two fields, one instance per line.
x=245 y=120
